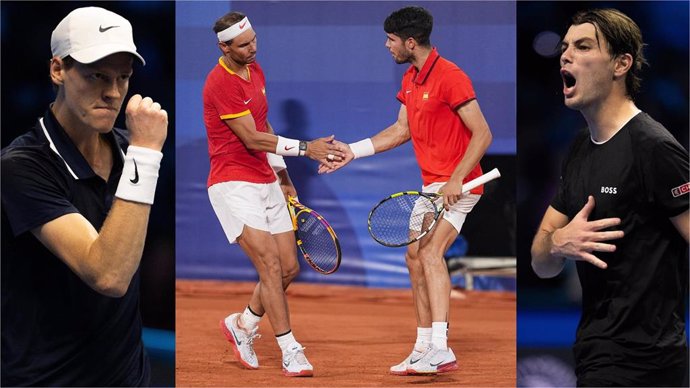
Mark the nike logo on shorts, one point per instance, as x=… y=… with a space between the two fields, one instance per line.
x=136 y=173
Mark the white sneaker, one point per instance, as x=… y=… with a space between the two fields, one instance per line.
x=433 y=361
x=242 y=342
x=295 y=363
x=401 y=369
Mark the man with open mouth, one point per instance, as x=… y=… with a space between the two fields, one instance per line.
x=621 y=213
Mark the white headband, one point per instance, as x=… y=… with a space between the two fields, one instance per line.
x=231 y=32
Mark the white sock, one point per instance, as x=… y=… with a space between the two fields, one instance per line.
x=439 y=335
x=287 y=342
x=423 y=338
x=249 y=319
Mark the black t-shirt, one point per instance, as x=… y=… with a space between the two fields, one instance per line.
x=632 y=312
x=56 y=330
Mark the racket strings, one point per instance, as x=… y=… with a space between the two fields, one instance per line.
x=401 y=219
x=317 y=241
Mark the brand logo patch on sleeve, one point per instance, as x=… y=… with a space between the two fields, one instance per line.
x=681 y=190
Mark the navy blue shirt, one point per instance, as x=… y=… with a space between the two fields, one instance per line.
x=56 y=330
x=632 y=323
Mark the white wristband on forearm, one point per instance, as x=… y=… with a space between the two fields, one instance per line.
x=287 y=146
x=139 y=175
x=276 y=161
x=362 y=148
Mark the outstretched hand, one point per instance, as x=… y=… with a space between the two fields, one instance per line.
x=325 y=150
x=578 y=239
x=348 y=156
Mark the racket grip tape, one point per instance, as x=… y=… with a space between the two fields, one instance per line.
x=480 y=180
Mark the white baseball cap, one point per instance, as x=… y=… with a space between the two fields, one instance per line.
x=92 y=33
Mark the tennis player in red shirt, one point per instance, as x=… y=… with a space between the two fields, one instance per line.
x=244 y=192
x=440 y=114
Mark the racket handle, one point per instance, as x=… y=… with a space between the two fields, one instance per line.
x=489 y=176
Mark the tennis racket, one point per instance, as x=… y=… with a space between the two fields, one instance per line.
x=315 y=238
x=406 y=217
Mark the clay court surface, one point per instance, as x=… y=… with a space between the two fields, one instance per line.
x=352 y=336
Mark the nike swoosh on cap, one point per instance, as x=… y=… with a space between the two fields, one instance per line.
x=136 y=173
x=104 y=29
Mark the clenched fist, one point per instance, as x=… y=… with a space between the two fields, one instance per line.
x=147 y=122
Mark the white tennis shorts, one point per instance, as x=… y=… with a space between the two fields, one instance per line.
x=455 y=215
x=258 y=205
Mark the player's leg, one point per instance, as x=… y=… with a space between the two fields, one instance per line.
x=437 y=279
x=420 y=220
x=418 y=285
x=287 y=249
x=422 y=309
x=437 y=357
x=242 y=211
x=295 y=362
x=432 y=248
x=290 y=269
x=262 y=250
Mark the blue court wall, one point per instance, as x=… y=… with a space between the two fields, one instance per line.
x=328 y=72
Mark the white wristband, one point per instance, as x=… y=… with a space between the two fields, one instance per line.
x=139 y=175
x=362 y=148
x=287 y=147
x=276 y=161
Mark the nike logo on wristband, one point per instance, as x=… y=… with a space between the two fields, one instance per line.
x=104 y=29
x=136 y=173
x=289 y=148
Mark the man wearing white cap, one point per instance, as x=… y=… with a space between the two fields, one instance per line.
x=245 y=193
x=76 y=198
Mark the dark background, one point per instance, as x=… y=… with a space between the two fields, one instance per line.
x=548 y=310
x=27 y=91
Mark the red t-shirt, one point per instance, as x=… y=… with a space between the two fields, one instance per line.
x=439 y=137
x=228 y=96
